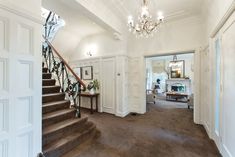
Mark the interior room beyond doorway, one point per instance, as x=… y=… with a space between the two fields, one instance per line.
x=170 y=80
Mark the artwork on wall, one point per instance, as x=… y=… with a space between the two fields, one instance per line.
x=77 y=70
x=87 y=73
x=177 y=69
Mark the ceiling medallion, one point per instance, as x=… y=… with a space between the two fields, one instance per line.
x=145 y=26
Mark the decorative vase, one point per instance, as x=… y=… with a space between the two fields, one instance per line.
x=92 y=91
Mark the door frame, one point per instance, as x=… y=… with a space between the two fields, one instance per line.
x=217 y=135
x=197 y=105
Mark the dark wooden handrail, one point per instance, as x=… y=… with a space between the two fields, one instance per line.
x=66 y=64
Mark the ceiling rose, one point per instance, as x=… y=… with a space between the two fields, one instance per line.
x=145 y=25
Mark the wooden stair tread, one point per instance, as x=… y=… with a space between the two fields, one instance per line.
x=51 y=89
x=49 y=74
x=48 y=82
x=48 y=79
x=54 y=103
x=57 y=113
x=44 y=69
x=63 y=124
x=50 y=86
x=61 y=129
x=52 y=94
x=65 y=140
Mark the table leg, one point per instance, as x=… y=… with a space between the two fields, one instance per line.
x=96 y=101
x=91 y=105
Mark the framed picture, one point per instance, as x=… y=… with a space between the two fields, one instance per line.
x=78 y=72
x=87 y=73
x=177 y=69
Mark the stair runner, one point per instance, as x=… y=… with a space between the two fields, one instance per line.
x=61 y=130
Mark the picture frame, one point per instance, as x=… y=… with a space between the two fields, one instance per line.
x=78 y=71
x=177 y=69
x=87 y=73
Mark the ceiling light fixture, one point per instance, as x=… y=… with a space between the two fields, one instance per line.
x=145 y=25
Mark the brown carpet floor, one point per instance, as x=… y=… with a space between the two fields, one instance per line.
x=162 y=132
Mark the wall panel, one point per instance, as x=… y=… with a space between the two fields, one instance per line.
x=24 y=112
x=24 y=39
x=4 y=149
x=228 y=99
x=24 y=143
x=25 y=75
x=4 y=34
x=4 y=116
x=3 y=74
x=20 y=84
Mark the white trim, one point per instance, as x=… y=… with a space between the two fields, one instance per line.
x=223 y=20
x=207 y=128
x=122 y=114
x=21 y=12
x=226 y=152
x=98 y=58
x=170 y=52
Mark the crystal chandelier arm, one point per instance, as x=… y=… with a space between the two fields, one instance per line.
x=145 y=25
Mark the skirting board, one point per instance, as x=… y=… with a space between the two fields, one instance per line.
x=122 y=114
x=226 y=152
x=223 y=20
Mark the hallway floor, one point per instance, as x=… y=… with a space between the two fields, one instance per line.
x=162 y=132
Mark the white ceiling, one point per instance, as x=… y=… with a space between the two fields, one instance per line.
x=172 y=9
x=76 y=23
x=81 y=26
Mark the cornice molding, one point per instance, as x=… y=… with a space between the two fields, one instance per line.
x=223 y=20
x=186 y=20
x=21 y=12
x=97 y=58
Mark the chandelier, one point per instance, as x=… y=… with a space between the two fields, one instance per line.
x=145 y=25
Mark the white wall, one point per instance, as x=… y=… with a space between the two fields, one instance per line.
x=20 y=78
x=185 y=35
x=27 y=7
x=175 y=36
x=213 y=12
x=121 y=107
x=104 y=14
x=65 y=42
x=102 y=44
x=222 y=29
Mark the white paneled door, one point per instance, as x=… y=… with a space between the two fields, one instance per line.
x=228 y=94
x=20 y=86
x=108 y=85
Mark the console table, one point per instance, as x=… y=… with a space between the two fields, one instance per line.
x=91 y=96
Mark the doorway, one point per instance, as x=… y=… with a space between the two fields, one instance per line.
x=170 y=80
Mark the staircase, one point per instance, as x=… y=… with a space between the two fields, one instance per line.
x=61 y=129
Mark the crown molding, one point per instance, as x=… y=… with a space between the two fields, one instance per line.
x=223 y=20
x=21 y=12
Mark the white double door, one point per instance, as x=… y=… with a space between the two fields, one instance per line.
x=108 y=85
x=20 y=85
